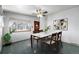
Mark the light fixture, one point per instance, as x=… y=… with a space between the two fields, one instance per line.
x=39 y=13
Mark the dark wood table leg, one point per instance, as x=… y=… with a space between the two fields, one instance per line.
x=31 y=42
x=37 y=43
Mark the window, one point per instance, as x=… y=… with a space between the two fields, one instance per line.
x=20 y=26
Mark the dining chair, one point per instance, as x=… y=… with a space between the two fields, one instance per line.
x=59 y=38
x=51 y=42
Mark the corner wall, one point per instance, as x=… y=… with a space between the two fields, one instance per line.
x=72 y=34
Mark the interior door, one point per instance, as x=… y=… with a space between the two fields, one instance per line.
x=36 y=26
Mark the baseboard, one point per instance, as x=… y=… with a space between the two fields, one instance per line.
x=17 y=41
x=72 y=43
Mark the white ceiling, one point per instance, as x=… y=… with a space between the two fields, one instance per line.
x=30 y=9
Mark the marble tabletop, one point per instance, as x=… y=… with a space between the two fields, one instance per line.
x=44 y=34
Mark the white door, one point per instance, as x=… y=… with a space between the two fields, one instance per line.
x=1 y=26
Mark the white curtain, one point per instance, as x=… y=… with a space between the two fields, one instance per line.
x=1 y=26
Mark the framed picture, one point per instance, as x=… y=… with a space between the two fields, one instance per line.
x=61 y=24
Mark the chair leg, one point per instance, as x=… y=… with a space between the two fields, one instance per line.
x=61 y=45
x=60 y=42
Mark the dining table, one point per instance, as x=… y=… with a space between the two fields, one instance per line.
x=42 y=35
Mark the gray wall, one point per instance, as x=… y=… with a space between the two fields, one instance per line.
x=17 y=36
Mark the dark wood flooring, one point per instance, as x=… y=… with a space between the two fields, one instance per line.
x=23 y=47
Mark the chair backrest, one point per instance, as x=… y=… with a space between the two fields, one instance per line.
x=53 y=37
x=59 y=35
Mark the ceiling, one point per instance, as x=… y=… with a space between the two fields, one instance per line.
x=30 y=9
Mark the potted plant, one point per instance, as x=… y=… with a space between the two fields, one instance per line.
x=47 y=28
x=7 y=37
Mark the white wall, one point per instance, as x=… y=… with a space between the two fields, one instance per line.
x=18 y=36
x=72 y=34
x=42 y=23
